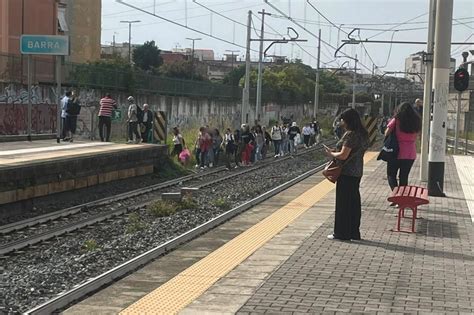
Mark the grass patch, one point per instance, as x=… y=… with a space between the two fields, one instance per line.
x=186 y=204
x=135 y=224
x=222 y=203
x=90 y=245
x=163 y=208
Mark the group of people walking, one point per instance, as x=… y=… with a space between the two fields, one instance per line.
x=246 y=145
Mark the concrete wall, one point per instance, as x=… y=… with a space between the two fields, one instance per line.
x=180 y=111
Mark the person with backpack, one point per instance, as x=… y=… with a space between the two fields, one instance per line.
x=276 y=138
x=248 y=141
x=228 y=143
x=292 y=133
x=133 y=121
x=107 y=105
x=73 y=109
x=284 y=140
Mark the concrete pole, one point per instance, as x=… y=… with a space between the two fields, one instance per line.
x=427 y=94
x=246 y=91
x=29 y=97
x=436 y=157
x=354 y=84
x=260 y=71
x=58 y=94
x=456 y=132
x=316 y=85
x=130 y=43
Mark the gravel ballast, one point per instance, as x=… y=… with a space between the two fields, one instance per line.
x=38 y=273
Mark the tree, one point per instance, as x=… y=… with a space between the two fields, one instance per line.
x=147 y=57
x=115 y=72
x=294 y=82
x=234 y=76
x=181 y=70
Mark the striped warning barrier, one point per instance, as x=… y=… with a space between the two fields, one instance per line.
x=159 y=127
x=370 y=124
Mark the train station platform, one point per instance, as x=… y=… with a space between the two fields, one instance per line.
x=275 y=258
x=39 y=168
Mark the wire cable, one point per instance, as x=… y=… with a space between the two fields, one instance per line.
x=184 y=26
x=389 y=51
x=392 y=28
x=311 y=33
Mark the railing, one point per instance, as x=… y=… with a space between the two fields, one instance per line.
x=13 y=69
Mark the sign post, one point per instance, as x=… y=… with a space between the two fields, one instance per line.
x=54 y=45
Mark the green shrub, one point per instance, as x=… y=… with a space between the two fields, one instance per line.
x=90 y=245
x=187 y=203
x=135 y=224
x=222 y=203
x=163 y=208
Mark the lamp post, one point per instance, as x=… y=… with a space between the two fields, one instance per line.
x=130 y=38
x=192 y=55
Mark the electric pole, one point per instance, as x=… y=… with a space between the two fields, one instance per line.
x=192 y=55
x=427 y=93
x=258 y=104
x=246 y=91
x=130 y=38
x=354 y=83
x=316 y=85
x=444 y=21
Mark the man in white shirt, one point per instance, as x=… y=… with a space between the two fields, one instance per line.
x=64 y=101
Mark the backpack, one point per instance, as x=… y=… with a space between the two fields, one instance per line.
x=73 y=108
x=139 y=114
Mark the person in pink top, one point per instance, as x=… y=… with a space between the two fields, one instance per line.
x=407 y=124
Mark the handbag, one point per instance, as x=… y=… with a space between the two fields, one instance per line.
x=390 y=147
x=333 y=168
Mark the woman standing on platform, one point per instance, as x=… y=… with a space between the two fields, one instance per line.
x=407 y=125
x=350 y=152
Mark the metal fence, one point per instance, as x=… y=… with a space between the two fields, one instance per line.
x=13 y=69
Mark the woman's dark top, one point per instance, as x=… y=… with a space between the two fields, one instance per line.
x=358 y=143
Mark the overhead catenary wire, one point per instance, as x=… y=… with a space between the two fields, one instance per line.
x=224 y=16
x=178 y=19
x=312 y=34
x=404 y=22
x=184 y=26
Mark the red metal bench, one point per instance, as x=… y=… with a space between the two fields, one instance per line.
x=408 y=197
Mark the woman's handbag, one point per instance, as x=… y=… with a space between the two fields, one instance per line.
x=333 y=170
x=390 y=148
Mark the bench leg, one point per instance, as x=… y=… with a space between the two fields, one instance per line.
x=400 y=215
x=413 y=219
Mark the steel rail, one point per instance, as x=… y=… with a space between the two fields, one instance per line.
x=99 y=217
x=101 y=202
x=68 y=297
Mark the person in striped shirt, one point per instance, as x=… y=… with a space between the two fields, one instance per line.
x=107 y=105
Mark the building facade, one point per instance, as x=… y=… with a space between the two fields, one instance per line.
x=80 y=19
x=415 y=68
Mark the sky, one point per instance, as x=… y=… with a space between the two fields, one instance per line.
x=377 y=19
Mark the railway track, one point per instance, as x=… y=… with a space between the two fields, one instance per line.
x=16 y=234
x=78 y=292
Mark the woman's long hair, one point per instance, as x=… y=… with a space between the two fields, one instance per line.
x=409 y=120
x=353 y=123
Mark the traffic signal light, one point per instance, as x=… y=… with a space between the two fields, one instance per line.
x=461 y=79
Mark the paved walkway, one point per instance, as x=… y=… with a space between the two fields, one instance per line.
x=430 y=271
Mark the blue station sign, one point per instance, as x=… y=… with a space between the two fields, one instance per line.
x=44 y=45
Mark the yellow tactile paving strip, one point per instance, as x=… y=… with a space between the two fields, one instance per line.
x=184 y=288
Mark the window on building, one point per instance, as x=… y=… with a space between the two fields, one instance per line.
x=62 y=20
